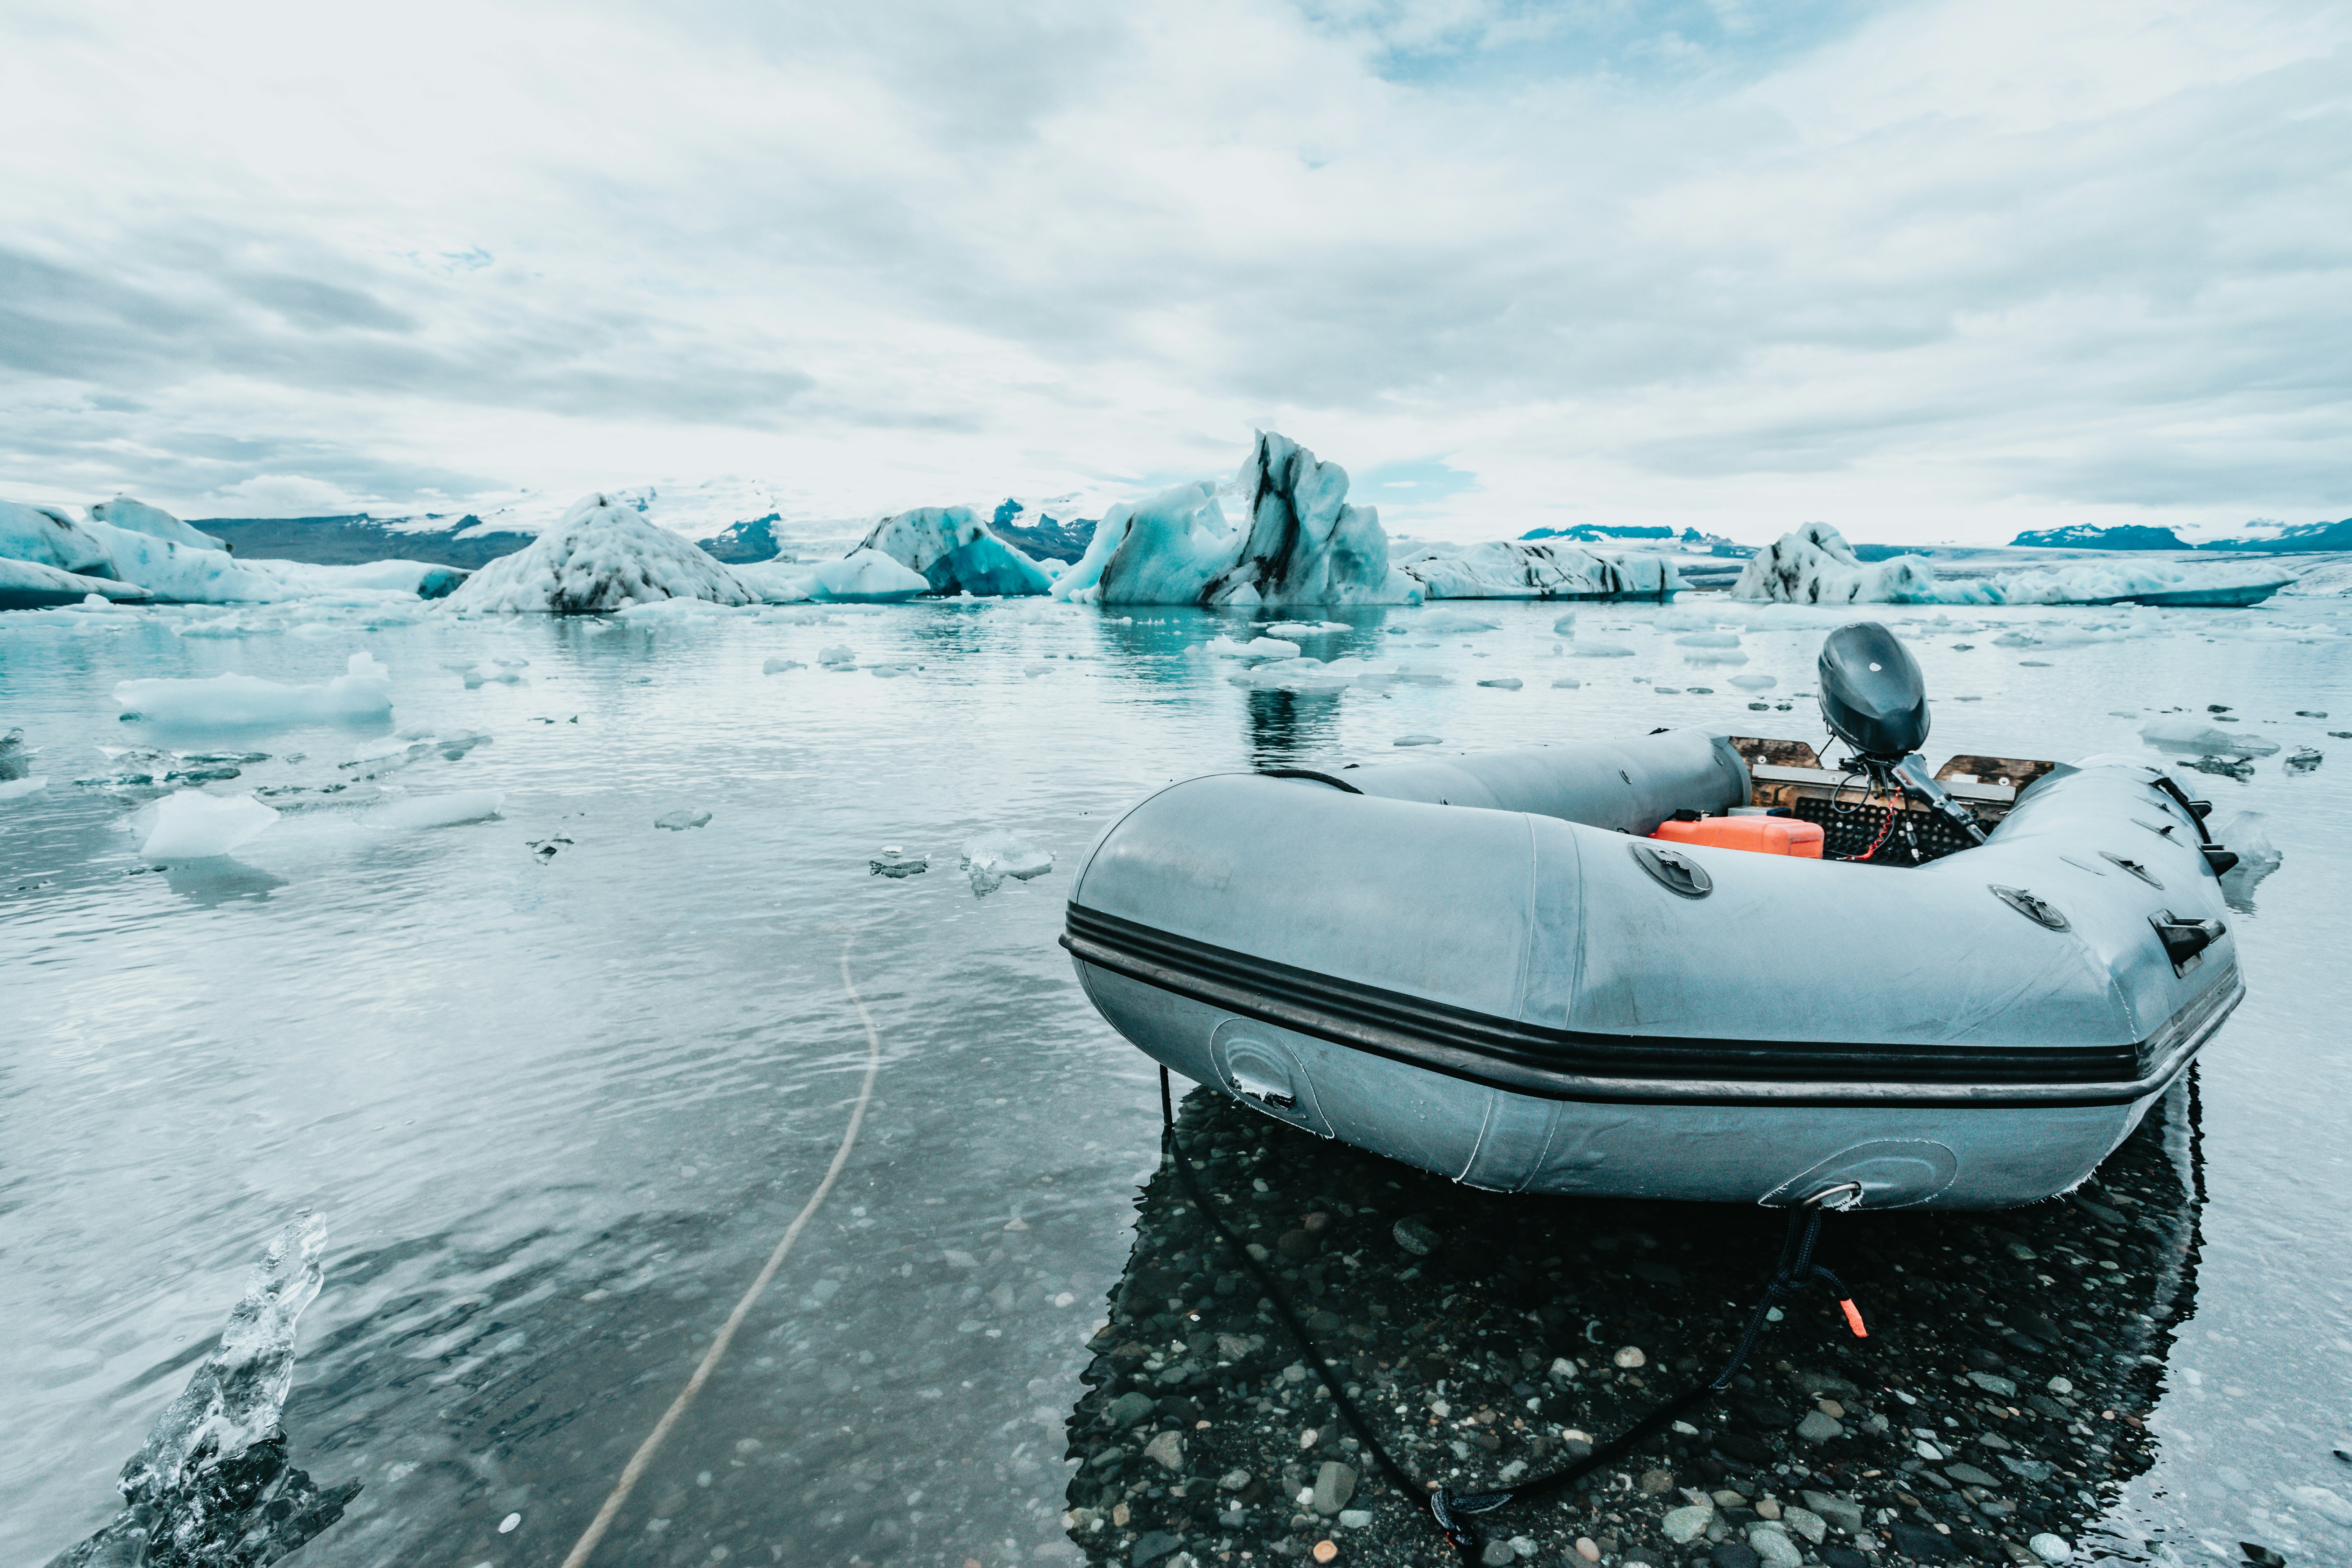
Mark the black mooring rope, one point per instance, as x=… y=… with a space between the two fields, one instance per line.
x=1449 y=1508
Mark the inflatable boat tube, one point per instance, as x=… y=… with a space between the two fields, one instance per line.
x=1483 y=968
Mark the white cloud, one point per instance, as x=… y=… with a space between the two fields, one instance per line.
x=1943 y=270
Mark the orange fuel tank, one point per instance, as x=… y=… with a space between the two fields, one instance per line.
x=1763 y=834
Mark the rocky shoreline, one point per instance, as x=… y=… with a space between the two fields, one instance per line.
x=1489 y=1338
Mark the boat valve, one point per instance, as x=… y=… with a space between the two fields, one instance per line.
x=1836 y=1199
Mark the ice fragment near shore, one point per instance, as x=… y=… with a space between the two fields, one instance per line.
x=440 y=810
x=210 y=1487
x=992 y=857
x=189 y=824
x=1223 y=647
x=679 y=821
x=362 y=691
x=601 y=557
x=895 y=862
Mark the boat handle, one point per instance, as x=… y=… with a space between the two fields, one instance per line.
x=2184 y=939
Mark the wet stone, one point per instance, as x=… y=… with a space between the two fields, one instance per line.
x=1687 y=1524
x=1734 y=1554
x=1819 y=1427
x=1417 y=1236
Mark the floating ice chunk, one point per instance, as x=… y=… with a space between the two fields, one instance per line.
x=1707 y=639
x=1300 y=542
x=192 y=825
x=1223 y=647
x=1816 y=565
x=1567 y=682
x=33 y=586
x=1418 y=740
x=2299 y=762
x=955 y=552
x=440 y=810
x=364 y=691
x=1042 y=666
x=601 y=556
x=1521 y=569
x=778 y=666
x=2186 y=734
x=866 y=577
x=1504 y=683
x=1306 y=629
x=507 y=671
x=1566 y=626
x=1754 y=683
x=992 y=857
x=777 y=581
x=16 y=756
x=16 y=789
x=153 y=521
x=210 y=1478
x=1600 y=650
x=835 y=656
x=1454 y=621
x=678 y=610
x=1300 y=675
x=410 y=746
x=679 y=821
x=895 y=862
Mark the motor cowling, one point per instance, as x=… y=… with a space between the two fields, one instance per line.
x=1873 y=696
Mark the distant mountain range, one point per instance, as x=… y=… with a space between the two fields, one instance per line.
x=2303 y=539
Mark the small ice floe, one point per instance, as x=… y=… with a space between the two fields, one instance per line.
x=892 y=671
x=1504 y=683
x=681 y=820
x=409 y=745
x=1043 y=667
x=1305 y=676
x=837 y=656
x=1305 y=628
x=415 y=813
x=362 y=691
x=1754 y=683
x=16 y=756
x=778 y=666
x=866 y=577
x=189 y=824
x=1566 y=626
x=1418 y=740
x=210 y=1487
x=1223 y=647
x=1567 y=683
x=491 y=671
x=1600 y=650
x=895 y=862
x=2223 y=767
x=16 y=789
x=2246 y=834
x=992 y=857
x=2301 y=762
x=1455 y=621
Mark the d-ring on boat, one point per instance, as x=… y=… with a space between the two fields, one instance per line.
x=1569 y=970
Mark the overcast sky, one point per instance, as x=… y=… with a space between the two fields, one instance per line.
x=1927 y=271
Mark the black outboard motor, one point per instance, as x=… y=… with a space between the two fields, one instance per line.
x=1876 y=700
x=1873 y=695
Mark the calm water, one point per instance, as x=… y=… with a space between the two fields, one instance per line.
x=556 y=1109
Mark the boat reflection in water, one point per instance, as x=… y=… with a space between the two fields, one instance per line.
x=1490 y=1337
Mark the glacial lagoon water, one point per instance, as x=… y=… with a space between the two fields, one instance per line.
x=556 y=1081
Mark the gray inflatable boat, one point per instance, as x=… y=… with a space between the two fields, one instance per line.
x=1485 y=967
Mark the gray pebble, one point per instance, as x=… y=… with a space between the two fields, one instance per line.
x=1417 y=1236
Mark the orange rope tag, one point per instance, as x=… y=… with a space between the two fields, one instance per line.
x=1854 y=1319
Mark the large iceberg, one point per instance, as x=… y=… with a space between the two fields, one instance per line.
x=956 y=552
x=147 y=553
x=1814 y=566
x=1300 y=542
x=1521 y=569
x=601 y=556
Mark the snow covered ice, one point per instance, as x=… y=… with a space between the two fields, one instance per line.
x=1816 y=565
x=233 y=701
x=601 y=556
x=414 y=812
x=1522 y=569
x=866 y=577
